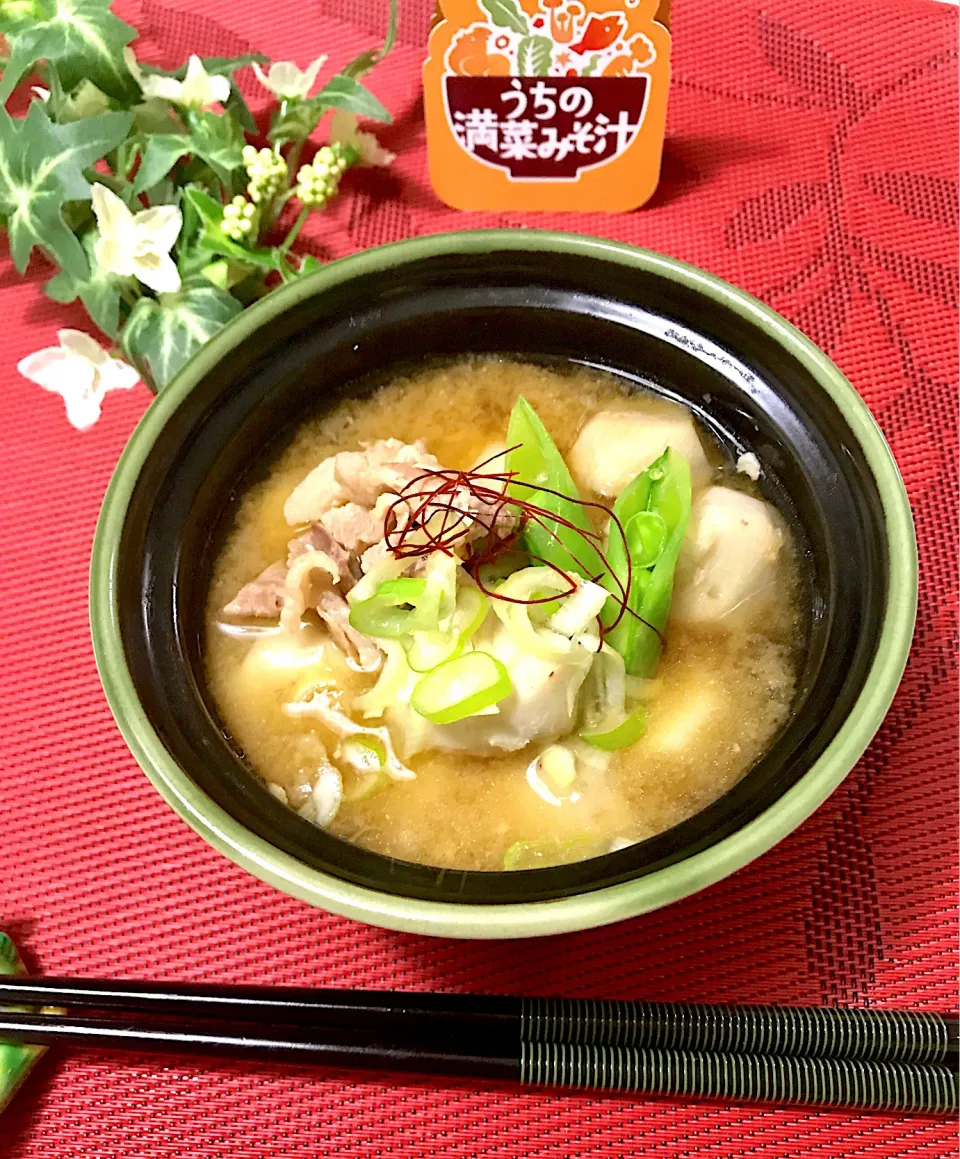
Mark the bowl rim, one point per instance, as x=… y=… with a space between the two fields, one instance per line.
x=520 y=919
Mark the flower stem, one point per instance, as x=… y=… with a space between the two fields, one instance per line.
x=293 y=160
x=129 y=291
x=272 y=211
x=294 y=230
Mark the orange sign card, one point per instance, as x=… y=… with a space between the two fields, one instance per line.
x=546 y=104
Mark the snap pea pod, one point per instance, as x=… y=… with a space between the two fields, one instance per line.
x=653 y=511
x=537 y=461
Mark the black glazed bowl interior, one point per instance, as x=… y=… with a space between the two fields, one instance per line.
x=744 y=372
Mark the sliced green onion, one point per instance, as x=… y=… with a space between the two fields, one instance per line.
x=321 y=707
x=555 y=764
x=392 y=611
x=643 y=687
x=590 y=757
x=498 y=569
x=404 y=590
x=578 y=610
x=367 y=786
x=364 y=754
x=367 y=756
x=533 y=854
x=308 y=685
x=629 y=730
x=558 y=766
x=532 y=583
x=604 y=691
x=387 y=688
x=461 y=688
x=427 y=650
x=606 y=723
x=386 y=569
x=440 y=599
x=403 y=605
x=471 y=611
x=382 y=620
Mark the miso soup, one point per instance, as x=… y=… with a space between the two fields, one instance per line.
x=496 y=615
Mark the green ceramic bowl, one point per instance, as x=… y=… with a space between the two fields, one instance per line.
x=659 y=324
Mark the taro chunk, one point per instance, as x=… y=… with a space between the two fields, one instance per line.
x=728 y=564
x=615 y=446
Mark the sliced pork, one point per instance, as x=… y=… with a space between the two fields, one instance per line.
x=359 y=477
x=262 y=597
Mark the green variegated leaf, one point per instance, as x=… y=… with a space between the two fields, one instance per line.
x=99 y=290
x=86 y=100
x=219 y=141
x=237 y=106
x=212 y=238
x=61 y=288
x=41 y=166
x=156 y=116
x=343 y=92
x=226 y=274
x=296 y=120
x=163 y=193
x=161 y=335
x=213 y=65
x=82 y=37
x=159 y=157
x=16 y=15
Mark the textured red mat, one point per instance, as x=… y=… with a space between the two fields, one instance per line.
x=812 y=160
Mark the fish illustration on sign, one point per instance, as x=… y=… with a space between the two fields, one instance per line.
x=600 y=33
x=546 y=104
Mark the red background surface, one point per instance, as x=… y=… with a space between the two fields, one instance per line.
x=811 y=160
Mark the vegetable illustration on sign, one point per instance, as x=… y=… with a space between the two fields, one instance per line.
x=546 y=104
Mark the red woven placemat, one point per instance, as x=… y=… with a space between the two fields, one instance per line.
x=812 y=160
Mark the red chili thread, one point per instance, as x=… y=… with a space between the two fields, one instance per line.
x=440 y=500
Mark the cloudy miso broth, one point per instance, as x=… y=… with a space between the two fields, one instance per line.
x=512 y=780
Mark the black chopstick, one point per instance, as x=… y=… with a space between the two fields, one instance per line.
x=848 y=1083
x=782 y=1031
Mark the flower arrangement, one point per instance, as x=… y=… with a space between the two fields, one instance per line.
x=153 y=190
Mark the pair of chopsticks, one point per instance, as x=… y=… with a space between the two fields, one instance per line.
x=857 y=1059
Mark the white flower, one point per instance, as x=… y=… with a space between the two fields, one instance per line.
x=81 y=372
x=285 y=80
x=137 y=243
x=344 y=131
x=198 y=87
